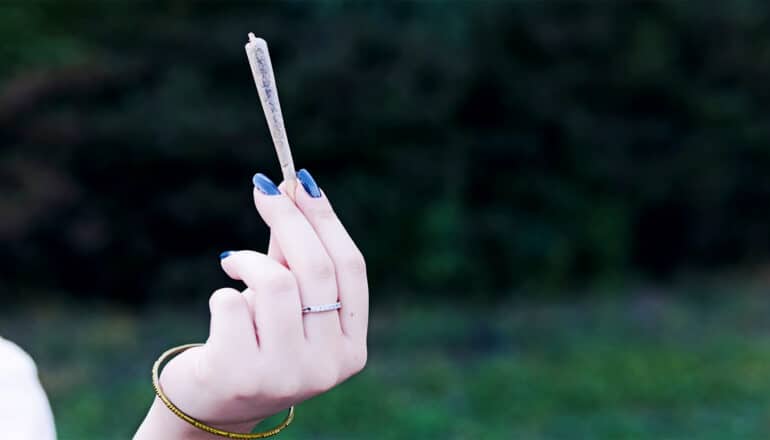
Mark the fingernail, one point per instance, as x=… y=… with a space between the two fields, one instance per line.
x=308 y=183
x=265 y=185
x=225 y=254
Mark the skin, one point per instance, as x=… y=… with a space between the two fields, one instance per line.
x=263 y=355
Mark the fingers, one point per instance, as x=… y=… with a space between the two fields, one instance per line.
x=251 y=299
x=305 y=256
x=277 y=310
x=232 y=328
x=347 y=259
x=274 y=251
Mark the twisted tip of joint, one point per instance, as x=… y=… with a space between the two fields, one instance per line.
x=256 y=42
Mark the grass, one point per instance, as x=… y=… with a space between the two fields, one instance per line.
x=647 y=367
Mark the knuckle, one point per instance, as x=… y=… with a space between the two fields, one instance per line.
x=359 y=361
x=355 y=264
x=225 y=299
x=356 y=360
x=322 y=269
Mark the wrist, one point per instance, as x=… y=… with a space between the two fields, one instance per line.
x=161 y=423
x=181 y=385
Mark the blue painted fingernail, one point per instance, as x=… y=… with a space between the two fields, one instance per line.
x=308 y=183
x=225 y=254
x=265 y=185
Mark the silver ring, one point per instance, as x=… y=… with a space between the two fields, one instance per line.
x=322 y=308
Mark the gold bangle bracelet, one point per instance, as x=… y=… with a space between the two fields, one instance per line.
x=197 y=423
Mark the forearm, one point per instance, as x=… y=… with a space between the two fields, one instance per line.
x=162 y=424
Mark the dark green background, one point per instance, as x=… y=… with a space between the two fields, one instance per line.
x=472 y=148
x=563 y=205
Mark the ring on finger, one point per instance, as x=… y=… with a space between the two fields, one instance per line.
x=322 y=308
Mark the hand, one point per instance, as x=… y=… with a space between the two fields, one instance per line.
x=263 y=355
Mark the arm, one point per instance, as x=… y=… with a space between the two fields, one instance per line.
x=263 y=354
x=160 y=423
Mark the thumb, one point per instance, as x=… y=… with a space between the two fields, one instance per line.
x=232 y=332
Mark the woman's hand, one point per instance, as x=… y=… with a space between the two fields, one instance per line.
x=263 y=354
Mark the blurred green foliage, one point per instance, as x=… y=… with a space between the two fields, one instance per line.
x=468 y=146
x=642 y=367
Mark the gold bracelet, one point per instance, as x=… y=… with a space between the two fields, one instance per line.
x=197 y=423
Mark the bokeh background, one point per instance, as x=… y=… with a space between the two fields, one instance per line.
x=563 y=205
